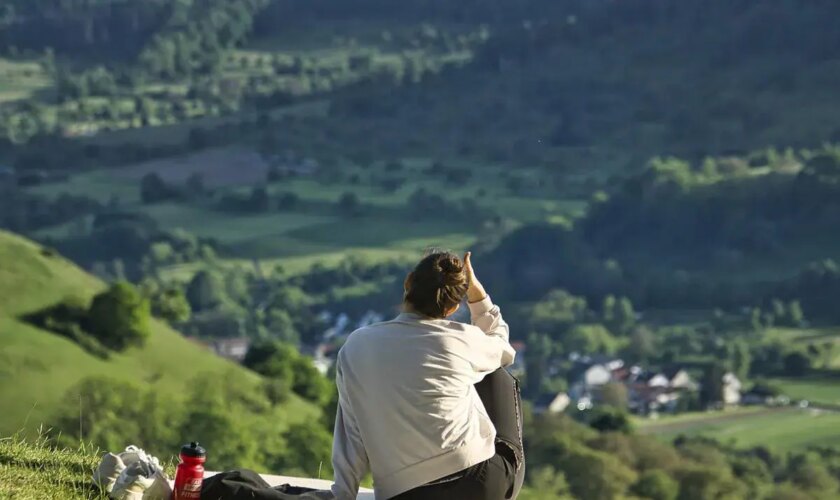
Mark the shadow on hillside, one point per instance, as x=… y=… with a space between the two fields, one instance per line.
x=66 y=319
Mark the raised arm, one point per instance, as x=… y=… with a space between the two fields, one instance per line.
x=488 y=317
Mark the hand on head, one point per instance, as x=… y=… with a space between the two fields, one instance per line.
x=476 y=291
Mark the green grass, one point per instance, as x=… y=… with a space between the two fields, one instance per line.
x=21 y=80
x=815 y=389
x=693 y=417
x=38 y=367
x=101 y=185
x=36 y=469
x=782 y=430
x=227 y=227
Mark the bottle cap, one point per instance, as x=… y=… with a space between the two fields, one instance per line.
x=193 y=450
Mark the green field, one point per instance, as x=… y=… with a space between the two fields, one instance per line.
x=22 y=80
x=37 y=367
x=315 y=230
x=782 y=430
x=815 y=389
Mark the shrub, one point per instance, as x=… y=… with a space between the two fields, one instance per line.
x=119 y=317
x=606 y=419
x=656 y=485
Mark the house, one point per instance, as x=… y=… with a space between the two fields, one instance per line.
x=589 y=375
x=655 y=391
x=552 y=403
x=234 y=348
x=672 y=378
x=323 y=356
x=678 y=378
x=731 y=389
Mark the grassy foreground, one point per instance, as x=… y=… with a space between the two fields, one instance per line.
x=37 y=470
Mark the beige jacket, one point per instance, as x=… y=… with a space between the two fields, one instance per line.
x=408 y=411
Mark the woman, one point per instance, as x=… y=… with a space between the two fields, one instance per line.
x=409 y=408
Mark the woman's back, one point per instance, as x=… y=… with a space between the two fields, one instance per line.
x=408 y=409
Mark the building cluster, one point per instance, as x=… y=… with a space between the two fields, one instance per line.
x=647 y=391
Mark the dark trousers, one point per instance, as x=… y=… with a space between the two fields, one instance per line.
x=500 y=477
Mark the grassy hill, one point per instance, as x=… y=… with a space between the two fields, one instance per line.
x=38 y=367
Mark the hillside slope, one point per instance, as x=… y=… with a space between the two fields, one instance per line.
x=37 y=367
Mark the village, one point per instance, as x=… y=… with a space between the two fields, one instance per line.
x=593 y=380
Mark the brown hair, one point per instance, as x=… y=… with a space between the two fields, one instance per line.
x=437 y=284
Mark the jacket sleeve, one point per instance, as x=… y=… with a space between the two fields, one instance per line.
x=349 y=458
x=494 y=351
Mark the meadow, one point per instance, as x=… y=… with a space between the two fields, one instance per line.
x=22 y=79
x=780 y=429
x=316 y=229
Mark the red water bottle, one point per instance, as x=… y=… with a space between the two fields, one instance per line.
x=190 y=472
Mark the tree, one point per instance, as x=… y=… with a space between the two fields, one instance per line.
x=608 y=309
x=606 y=419
x=195 y=184
x=656 y=485
x=259 y=200
x=349 y=204
x=281 y=326
x=741 y=359
x=705 y=482
x=642 y=347
x=625 y=316
x=107 y=412
x=589 y=339
x=615 y=394
x=280 y=360
x=287 y=201
x=310 y=449
x=272 y=359
x=595 y=475
x=711 y=390
x=309 y=383
x=795 y=315
x=221 y=428
x=153 y=188
x=119 y=317
x=206 y=291
x=545 y=483
x=556 y=312
x=797 y=364
x=171 y=304
x=811 y=475
x=536 y=361
x=755 y=319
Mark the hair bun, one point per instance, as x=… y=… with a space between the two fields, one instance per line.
x=437 y=284
x=451 y=269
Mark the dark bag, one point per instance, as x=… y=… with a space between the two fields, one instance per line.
x=248 y=485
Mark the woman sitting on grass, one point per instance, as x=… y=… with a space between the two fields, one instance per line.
x=424 y=403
